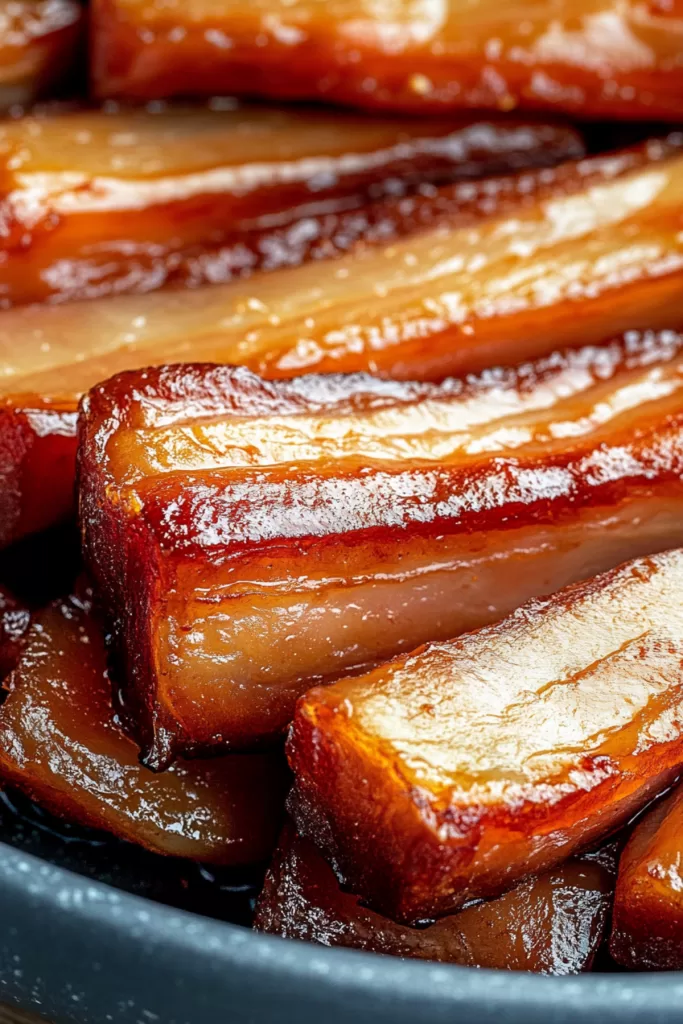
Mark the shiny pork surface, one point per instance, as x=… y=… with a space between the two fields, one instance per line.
x=39 y=47
x=449 y=774
x=103 y=202
x=489 y=273
x=250 y=538
x=61 y=745
x=552 y=924
x=648 y=912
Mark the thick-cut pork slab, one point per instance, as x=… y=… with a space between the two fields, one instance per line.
x=590 y=57
x=451 y=773
x=249 y=538
x=647 y=931
x=490 y=273
x=552 y=924
x=39 y=44
x=102 y=202
x=60 y=744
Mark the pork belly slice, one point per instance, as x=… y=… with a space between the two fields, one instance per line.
x=39 y=46
x=449 y=774
x=249 y=538
x=590 y=57
x=551 y=924
x=647 y=931
x=61 y=745
x=103 y=202
x=492 y=272
x=575 y=255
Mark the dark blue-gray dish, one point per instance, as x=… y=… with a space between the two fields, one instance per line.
x=80 y=950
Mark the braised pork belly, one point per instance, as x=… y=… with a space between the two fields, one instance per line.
x=648 y=910
x=102 y=202
x=449 y=774
x=589 y=57
x=490 y=273
x=62 y=746
x=249 y=538
x=552 y=924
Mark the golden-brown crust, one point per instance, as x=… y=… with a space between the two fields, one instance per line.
x=611 y=59
x=448 y=775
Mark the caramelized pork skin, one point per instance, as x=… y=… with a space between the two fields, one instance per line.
x=275 y=534
x=99 y=202
x=60 y=744
x=493 y=272
x=451 y=773
x=552 y=924
x=591 y=57
x=37 y=464
x=15 y=619
x=39 y=42
x=647 y=932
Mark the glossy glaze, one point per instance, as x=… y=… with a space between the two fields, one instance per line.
x=552 y=924
x=278 y=533
x=15 y=619
x=593 y=57
x=581 y=252
x=102 y=202
x=492 y=272
x=39 y=47
x=647 y=927
x=61 y=745
x=448 y=775
x=38 y=445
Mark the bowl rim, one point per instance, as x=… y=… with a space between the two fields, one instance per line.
x=127 y=917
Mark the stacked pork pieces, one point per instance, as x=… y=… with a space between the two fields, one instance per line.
x=367 y=418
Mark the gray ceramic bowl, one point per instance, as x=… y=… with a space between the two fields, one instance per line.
x=77 y=950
